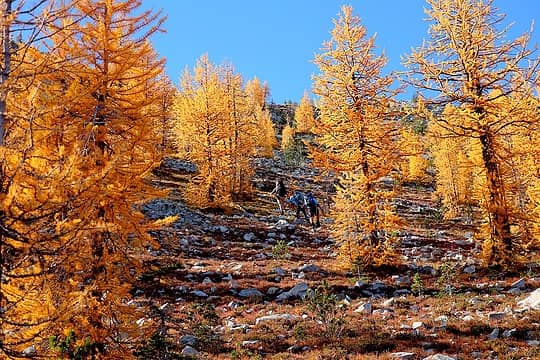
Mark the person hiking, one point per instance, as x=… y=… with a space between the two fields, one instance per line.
x=313 y=209
x=279 y=192
x=299 y=201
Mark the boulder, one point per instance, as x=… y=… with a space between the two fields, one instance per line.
x=531 y=302
x=298 y=291
x=250 y=293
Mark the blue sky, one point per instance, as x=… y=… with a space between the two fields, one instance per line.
x=276 y=40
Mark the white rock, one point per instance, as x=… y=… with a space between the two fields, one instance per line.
x=365 y=308
x=439 y=357
x=532 y=301
x=31 y=350
x=417 y=325
x=402 y=355
x=274 y=317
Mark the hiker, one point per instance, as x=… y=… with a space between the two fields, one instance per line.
x=299 y=201
x=279 y=192
x=313 y=208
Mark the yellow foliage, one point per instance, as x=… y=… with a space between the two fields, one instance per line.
x=303 y=115
x=216 y=129
x=355 y=137
x=287 y=136
x=489 y=80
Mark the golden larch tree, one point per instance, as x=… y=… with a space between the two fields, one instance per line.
x=468 y=62
x=216 y=129
x=103 y=124
x=356 y=134
x=303 y=115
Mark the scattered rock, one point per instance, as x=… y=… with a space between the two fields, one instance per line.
x=417 y=325
x=188 y=340
x=199 y=293
x=532 y=301
x=248 y=343
x=274 y=317
x=298 y=291
x=519 y=284
x=272 y=291
x=471 y=269
x=29 y=351
x=439 y=357
x=496 y=316
x=401 y=280
x=250 y=293
x=365 y=308
x=189 y=351
x=279 y=271
x=249 y=237
x=309 y=268
x=402 y=355
x=509 y=333
x=494 y=334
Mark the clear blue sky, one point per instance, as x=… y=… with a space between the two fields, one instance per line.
x=276 y=40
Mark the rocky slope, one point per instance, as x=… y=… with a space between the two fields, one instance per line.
x=253 y=284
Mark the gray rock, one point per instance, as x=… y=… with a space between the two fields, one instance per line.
x=188 y=340
x=401 y=280
x=298 y=291
x=31 y=350
x=274 y=317
x=234 y=305
x=439 y=357
x=179 y=166
x=401 y=292
x=515 y=291
x=532 y=301
x=199 y=293
x=249 y=237
x=359 y=284
x=309 y=268
x=365 y=308
x=378 y=287
x=471 y=269
x=494 y=334
x=250 y=293
x=279 y=271
x=519 y=284
x=496 y=316
x=509 y=333
x=272 y=291
x=533 y=342
x=247 y=343
x=402 y=356
x=189 y=351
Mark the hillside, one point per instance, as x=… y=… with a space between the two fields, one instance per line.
x=251 y=284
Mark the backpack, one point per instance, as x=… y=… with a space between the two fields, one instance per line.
x=310 y=199
x=299 y=199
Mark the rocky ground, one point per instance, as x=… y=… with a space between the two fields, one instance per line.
x=251 y=284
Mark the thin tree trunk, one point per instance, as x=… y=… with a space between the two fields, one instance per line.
x=497 y=208
x=6 y=64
